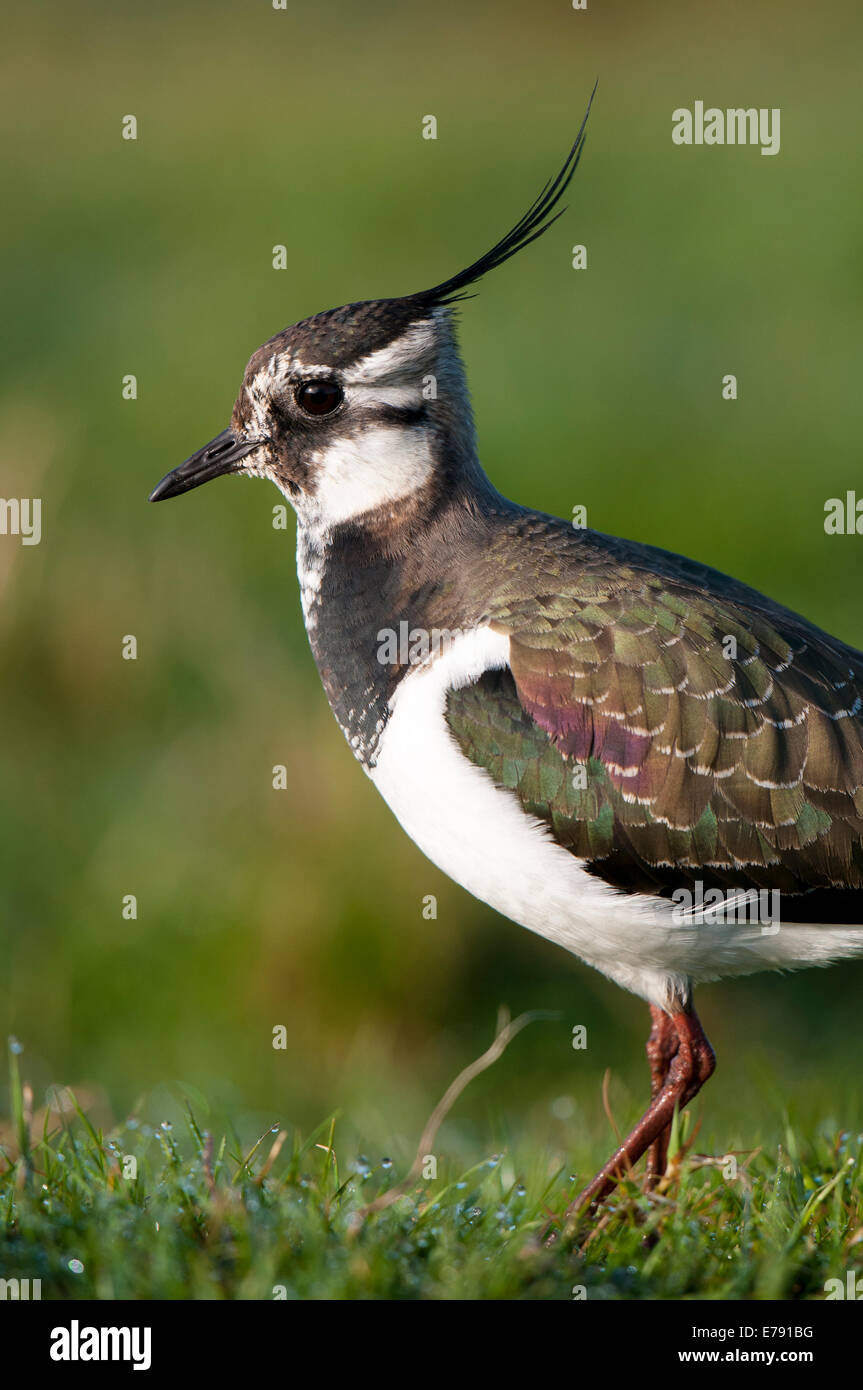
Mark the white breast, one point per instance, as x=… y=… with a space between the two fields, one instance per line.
x=478 y=834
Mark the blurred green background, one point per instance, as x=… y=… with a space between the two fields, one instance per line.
x=601 y=387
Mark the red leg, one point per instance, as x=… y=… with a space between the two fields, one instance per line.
x=661 y=1047
x=691 y=1063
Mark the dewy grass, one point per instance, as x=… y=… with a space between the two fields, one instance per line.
x=172 y=1211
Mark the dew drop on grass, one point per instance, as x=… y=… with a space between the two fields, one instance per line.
x=166 y=1125
x=15 y=1046
x=386 y=1164
x=75 y=1266
x=520 y=1189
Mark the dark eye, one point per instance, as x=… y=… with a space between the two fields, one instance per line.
x=319 y=397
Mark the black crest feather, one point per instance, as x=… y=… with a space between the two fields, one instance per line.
x=532 y=225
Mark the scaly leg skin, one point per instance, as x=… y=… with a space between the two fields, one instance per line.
x=661 y=1047
x=691 y=1063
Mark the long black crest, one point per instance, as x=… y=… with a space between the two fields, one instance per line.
x=532 y=225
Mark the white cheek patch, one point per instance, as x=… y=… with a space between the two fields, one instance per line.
x=375 y=467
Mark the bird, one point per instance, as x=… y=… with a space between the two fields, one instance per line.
x=592 y=735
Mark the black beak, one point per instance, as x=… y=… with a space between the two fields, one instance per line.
x=221 y=455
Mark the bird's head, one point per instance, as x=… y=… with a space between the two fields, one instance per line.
x=349 y=412
x=361 y=411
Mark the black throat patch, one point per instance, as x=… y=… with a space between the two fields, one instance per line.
x=375 y=610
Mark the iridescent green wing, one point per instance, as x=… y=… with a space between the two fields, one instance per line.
x=666 y=733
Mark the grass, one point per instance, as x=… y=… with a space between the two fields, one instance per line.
x=198 y=1216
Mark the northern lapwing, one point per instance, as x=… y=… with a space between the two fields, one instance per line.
x=584 y=732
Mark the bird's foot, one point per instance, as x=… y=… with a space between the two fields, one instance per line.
x=690 y=1062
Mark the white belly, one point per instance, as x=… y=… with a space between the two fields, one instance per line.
x=478 y=834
